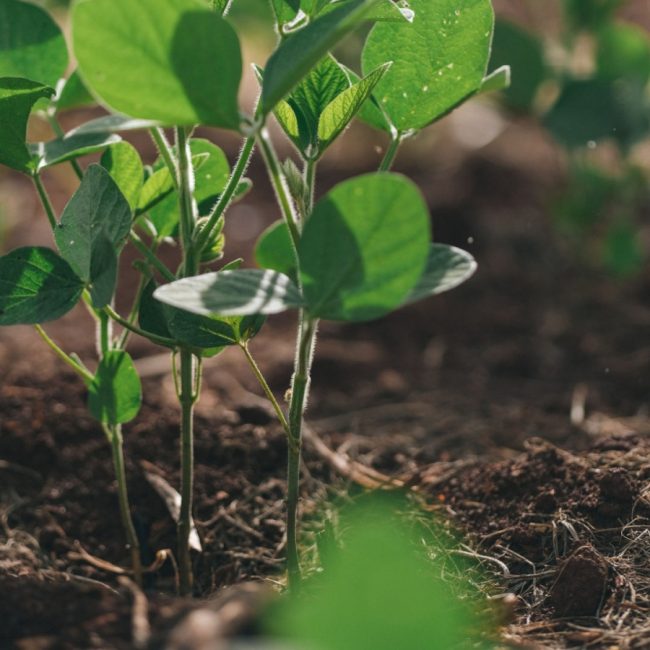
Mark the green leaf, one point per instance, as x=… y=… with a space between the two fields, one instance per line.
x=524 y=52
x=274 y=249
x=232 y=293
x=31 y=44
x=36 y=286
x=74 y=94
x=122 y=161
x=623 y=51
x=54 y=152
x=364 y=248
x=390 y=11
x=17 y=97
x=370 y=112
x=285 y=11
x=211 y=173
x=112 y=124
x=208 y=334
x=498 y=79
x=623 y=112
x=438 y=60
x=301 y=51
x=447 y=267
x=340 y=112
x=94 y=226
x=115 y=394
x=159 y=185
x=174 y=61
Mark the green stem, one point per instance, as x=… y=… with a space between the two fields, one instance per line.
x=186 y=204
x=279 y=185
x=266 y=388
x=154 y=338
x=227 y=194
x=391 y=152
x=135 y=310
x=104 y=333
x=85 y=374
x=114 y=433
x=299 y=396
x=45 y=200
x=187 y=397
x=166 y=152
x=151 y=256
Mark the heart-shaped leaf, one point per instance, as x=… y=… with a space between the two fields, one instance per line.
x=232 y=293
x=447 y=267
x=174 y=61
x=364 y=248
x=31 y=44
x=17 y=98
x=115 y=394
x=300 y=52
x=94 y=226
x=438 y=60
x=36 y=285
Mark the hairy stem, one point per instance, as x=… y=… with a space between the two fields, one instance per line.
x=114 y=433
x=186 y=204
x=187 y=397
x=226 y=196
x=151 y=257
x=391 y=152
x=166 y=152
x=154 y=338
x=85 y=374
x=45 y=200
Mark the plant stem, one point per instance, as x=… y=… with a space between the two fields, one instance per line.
x=165 y=151
x=266 y=388
x=224 y=199
x=154 y=338
x=309 y=176
x=279 y=184
x=187 y=397
x=45 y=200
x=104 y=334
x=114 y=433
x=86 y=375
x=186 y=204
x=152 y=258
x=391 y=152
x=299 y=396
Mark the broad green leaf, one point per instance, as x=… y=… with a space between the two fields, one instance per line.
x=275 y=251
x=175 y=61
x=211 y=173
x=73 y=94
x=438 y=60
x=390 y=11
x=524 y=52
x=232 y=293
x=17 y=98
x=208 y=334
x=36 y=286
x=364 y=248
x=122 y=161
x=54 y=152
x=159 y=185
x=112 y=124
x=447 y=267
x=623 y=51
x=94 y=226
x=623 y=112
x=115 y=394
x=385 y=586
x=340 y=112
x=31 y=44
x=300 y=52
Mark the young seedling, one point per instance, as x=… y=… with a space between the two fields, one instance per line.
x=358 y=253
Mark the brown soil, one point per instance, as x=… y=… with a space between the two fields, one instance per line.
x=467 y=399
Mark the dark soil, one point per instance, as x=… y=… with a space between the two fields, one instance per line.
x=516 y=406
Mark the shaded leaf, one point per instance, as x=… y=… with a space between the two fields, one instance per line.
x=112 y=124
x=36 y=285
x=55 y=152
x=232 y=293
x=274 y=249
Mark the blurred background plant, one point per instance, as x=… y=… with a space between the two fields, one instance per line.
x=586 y=81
